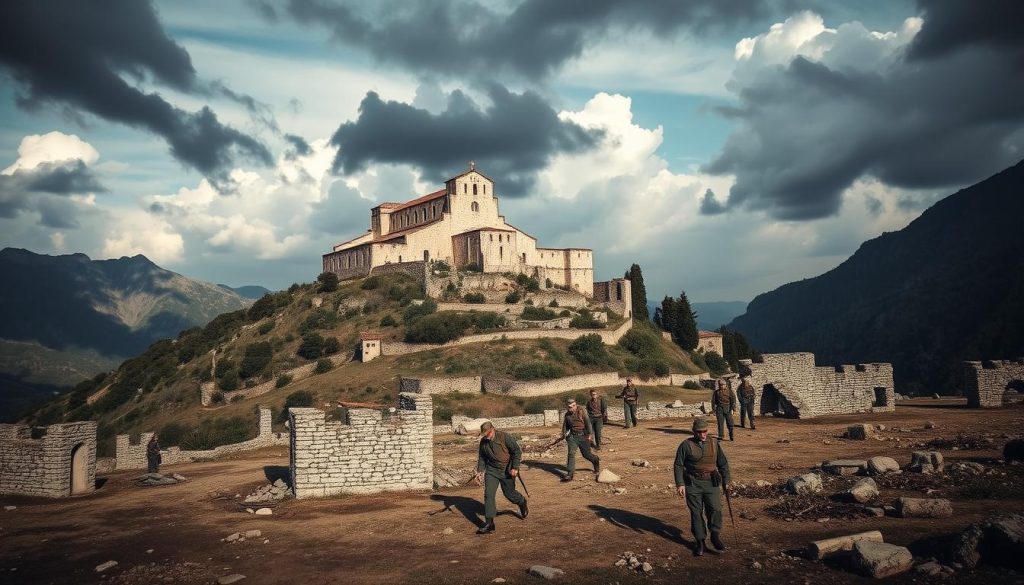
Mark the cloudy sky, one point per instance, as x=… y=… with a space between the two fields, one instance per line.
x=727 y=146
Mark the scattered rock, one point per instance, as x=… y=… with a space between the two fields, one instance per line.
x=253 y=534
x=820 y=549
x=763 y=483
x=756 y=566
x=876 y=512
x=931 y=568
x=232 y=537
x=545 y=572
x=104 y=566
x=879 y=427
x=935 y=396
x=786 y=441
x=880 y=559
x=498 y=580
x=969 y=467
x=606 y=476
x=926 y=462
x=862 y=492
x=647 y=568
x=264 y=512
x=808 y=483
x=928 y=424
x=881 y=465
x=9 y=508
x=152 y=479
x=178 y=477
x=641 y=463
x=1013 y=450
x=998 y=541
x=677 y=404
x=470 y=427
x=229 y=579
x=250 y=510
x=923 y=508
x=448 y=531
x=844 y=466
x=619 y=491
x=272 y=492
x=860 y=432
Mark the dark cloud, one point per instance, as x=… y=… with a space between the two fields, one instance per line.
x=41 y=189
x=511 y=139
x=343 y=211
x=950 y=25
x=299 y=146
x=807 y=130
x=466 y=37
x=709 y=205
x=80 y=55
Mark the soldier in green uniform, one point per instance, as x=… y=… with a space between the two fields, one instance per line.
x=701 y=470
x=746 y=396
x=597 y=409
x=723 y=402
x=498 y=463
x=577 y=430
x=630 y=399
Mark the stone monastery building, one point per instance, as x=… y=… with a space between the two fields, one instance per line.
x=461 y=226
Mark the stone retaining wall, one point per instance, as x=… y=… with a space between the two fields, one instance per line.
x=790 y=384
x=553 y=418
x=988 y=383
x=506 y=387
x=609 y=337
x=60 y=463
x=373 y=451
x=133 y=455
x=468 y=385
x=207 y=389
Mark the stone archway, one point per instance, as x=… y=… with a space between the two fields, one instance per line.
x=80 y=469
x=775 y=403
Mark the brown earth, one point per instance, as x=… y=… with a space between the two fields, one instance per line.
x=581 y=528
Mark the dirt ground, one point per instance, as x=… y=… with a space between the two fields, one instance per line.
x=173 y=534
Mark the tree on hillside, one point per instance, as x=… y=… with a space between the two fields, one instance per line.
x=736 y=348
x=665 y=316
x=684 y=323
x=328 y=282
x=636 y=279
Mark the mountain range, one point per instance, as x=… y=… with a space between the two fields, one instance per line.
x=946 y=288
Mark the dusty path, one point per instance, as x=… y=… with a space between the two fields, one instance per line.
x=580 y=528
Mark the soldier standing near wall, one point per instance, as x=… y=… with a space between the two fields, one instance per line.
x=700 y=471
x=597 y=409
x=723 y=402
x=577 y=431
x=630 y=399
x=746 y=396
x=153 y=458
x=498 y=463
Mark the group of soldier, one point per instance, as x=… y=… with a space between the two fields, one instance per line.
x=700 y=469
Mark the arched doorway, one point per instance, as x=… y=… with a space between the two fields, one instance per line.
x=775 y=404
x=79 y=469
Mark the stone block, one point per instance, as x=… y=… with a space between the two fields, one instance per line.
x=923 y=508
x=881 y=465
x=808 y=483
x=844 y=466
x=860 y=432
x=880 y=559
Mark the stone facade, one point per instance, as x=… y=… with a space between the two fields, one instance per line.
x=460 y=225
x=371 y=452
x=133 y=455
x=789 y=384
x=994 y=383
x=617 y=295
x=59 y=462
x=709 y=341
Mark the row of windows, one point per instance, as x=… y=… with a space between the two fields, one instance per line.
x=508 y=238
x=465 y=188
x=354 y=259
x=416 y=215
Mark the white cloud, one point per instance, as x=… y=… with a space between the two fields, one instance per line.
x=138 y=232
x=52 y=147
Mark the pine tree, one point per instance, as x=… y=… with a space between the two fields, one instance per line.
x=636 y=279
x=657 y=318
x=684 y=326
x=668 y=314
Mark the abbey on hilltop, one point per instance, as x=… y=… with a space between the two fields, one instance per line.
x=461 y=226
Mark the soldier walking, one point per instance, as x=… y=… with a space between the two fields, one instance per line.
x=577 y=430
x=701 y=470
x=153 y=457
x=498 y=463
x=723 y=402
x=597 y=409
x=630 y=398
x=746 y=396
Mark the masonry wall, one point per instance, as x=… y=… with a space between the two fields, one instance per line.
x=987 y=383
x=467 y=385
x=553 y=418
x=506 y=387
x=817 y=391
x=133 y=455
x=609 y=337
x=372 y=451
x=43 y=466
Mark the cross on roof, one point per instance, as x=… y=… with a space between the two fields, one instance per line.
x=472 y=165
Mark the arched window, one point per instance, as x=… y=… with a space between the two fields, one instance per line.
x=426 y=255
x=474 y=188
x=464 y=187
x=475 y=206
x=501 y=252
x=485 y=188
x=491 y=236
x=524 y=257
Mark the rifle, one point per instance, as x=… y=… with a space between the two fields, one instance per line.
x=728 y=500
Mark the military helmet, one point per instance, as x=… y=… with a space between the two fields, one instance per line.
x=700 y=424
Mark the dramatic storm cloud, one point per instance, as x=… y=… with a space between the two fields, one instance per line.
x=80 y=56
x=511 y=139
x=534 y=38
x=820 y=108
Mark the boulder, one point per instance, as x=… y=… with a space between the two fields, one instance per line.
x=820 y=549
x=923 y=508
x=966 y=547
x=677 y=404
x=844 y=466
x=545 y=572
x=926 y=462
x=606 y=476
x=969 y=467
x=930 y=424
x=880 y=559
x=997 y=541
x=229 y=579
x=264 y=512
x=104 y=566
x=860 y=432
x=881 y=465
x=861 y=492
x=279 y=483
x=253 y=534
x=178 y=477
x=1013 y=450
x=641 y=463
x=808 y=483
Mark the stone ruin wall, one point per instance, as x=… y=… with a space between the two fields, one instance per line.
x=371 y=452
x=553 y=418
x=818 y=391
x=987 y=384
x=506 y=387
x=608 y=337
x=444 y=385
x=43 y=466
x=417 y=270
x=133 y=455
x=616 y=294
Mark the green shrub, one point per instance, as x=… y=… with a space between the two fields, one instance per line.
x=442 y=266
x=536 y=371
x=371 y=283
x=487 y=321
x=589 y=350
x=547 y=283
x=641 y=342
x=282 y=381
x=549 y=348
x=443 y=413
x=553 y=303
x=319 y=318
x=512 y=297
x=716 y=363
x=297 y=399
x=217 y=397
x=331 y=346
x=698 y=360
x=437 y=328
x=564 y=313
x=528 y=302
x=257 y=357
x=312 y=346
x=528 y=283
x=388 y=321
x=413 y=312
x=228 y=381
x=474 y=298
x=323 y=366
x=266 y=328
x=646 y=368
x=585 y=320
x=691 y=385
x=537 y=405
x=266 y=305
x=472 y=268
x=538 y=314
x=223 y=365
x=370 y=308
x=328 y=282
x=214 y=432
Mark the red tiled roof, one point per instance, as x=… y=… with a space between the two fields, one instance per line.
x=370 y=336
x=418 y=200
x=702 y=334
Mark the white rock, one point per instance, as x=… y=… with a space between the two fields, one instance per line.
x=9 y=508
x=229 y=579
x=448 y=531
x=808 y=483
x=647 y=568
x=264 y=512
x=606 y=476
x=641 y=463
x=880 y=465
x=545 y=572
x=253 y=534
x=880 y=559
x=232 y=537
x=104 y=566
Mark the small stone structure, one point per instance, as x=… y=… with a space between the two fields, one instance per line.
x=59 y=462
x=994 y=383
x=370 y=347
x=133 y=455
x=789 y=384
x=373 y=451
x=617 y=295
x=709 y=341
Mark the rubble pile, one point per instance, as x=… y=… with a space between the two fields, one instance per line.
x=151 y=479
x=446 y=477
x=272 y=492
x=635 y=562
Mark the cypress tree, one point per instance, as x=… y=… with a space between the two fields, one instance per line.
x=684 y=323
x=667 y=314
x=636 y=279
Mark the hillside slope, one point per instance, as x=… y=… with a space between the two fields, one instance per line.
x=948 y=287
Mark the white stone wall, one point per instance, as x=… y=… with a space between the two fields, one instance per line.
x=987 y=382
x=546 y=387
x=553 y=418
x=608 y=337
x=817 y=391
x=43 y=466
x=444 y=385
x=374 y=452
x=133 y=455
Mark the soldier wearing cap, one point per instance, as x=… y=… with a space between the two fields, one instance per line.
x=746 y=395
x=498 y=464
x=723 y=402
x=630 y=400
x=701 y=470
x=597 y=408
x=577 y=430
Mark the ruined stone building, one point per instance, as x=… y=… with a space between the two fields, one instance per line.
x=460 y=225
x=994 y=383
x=709 y=341
x=53 y=462
x=789 y=384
